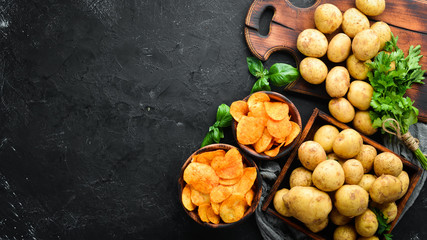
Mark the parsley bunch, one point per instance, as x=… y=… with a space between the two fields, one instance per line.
x=383 y=226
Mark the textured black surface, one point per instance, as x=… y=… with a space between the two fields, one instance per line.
x=101 y=102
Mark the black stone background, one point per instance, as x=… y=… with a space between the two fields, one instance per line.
x=101 y=102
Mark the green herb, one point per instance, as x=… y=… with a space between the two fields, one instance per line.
x=223 y=119
x=280 y=74
x=382 y=224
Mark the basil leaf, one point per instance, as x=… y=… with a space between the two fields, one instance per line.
x=255 y=67
x=207 y=140
x=281 y=74
x=223 y=116
x=216 y=136
x=261 y=85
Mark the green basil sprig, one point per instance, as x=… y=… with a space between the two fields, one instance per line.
x=280 y=74
x=223 y=119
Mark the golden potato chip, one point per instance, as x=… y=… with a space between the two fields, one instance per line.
x=212 y=216
x=233 y=208
x=229 y=167
x=277 y=110
x=249 y=130
x=279 y=129
x=249 y=196
x=269 y=146
x=203 y=212
x=186 y=198
x=273 y=152
x=294 y=133
x=215 y=207
x=238 y=109
x=279 y=140
x=200 y=176
x=258 y=110
x=262 y=144
x=220 y=193
x=199 y=198
x=207 y=157
x=246 y=182
x=229 y=182
x=257 y=97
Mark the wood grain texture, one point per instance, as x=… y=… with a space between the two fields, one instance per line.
x=406 y=19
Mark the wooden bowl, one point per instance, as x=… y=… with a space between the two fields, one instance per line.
x=295 y=116
x=317 y=120
x=257 y=187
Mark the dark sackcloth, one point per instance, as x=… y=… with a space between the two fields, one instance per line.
x=273 y=228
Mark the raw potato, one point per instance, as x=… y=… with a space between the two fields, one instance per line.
x=327 y=18
x=367 y=181
x=325 y=136
x=308 y=204
x=389 y=210
x=368 y=238
x=367 y=156
x=317 y=227
x=337 y=218
x=337 y=82
x=300 y=177
x=345 y=232
x=312 y=43
x=357 y=69
x=313 y=70
x=371 y=7
x=341 y=109
x=383 y=31
x=351 y=200
x=348 y=144
x=360 y=94
x=385 y=189
x=339 y=48
x=365 y=45
x=354 y=22
x=328 y=176
x=353 y=170
x=310 y=154
x=279 y=204
x=387 y=163
x=362 y=122
x=404 y=179
x=366 y=224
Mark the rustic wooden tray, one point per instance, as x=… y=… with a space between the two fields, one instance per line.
x=406 y=18
x=318 y=119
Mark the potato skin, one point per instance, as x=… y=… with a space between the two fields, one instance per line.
x=367 y=181
x=341 y=109
x=371 y=7
x=312 y=43
x=354 y=22
x=383 y=31
x=317 y=227
x=325 y=136
x=328 y=176
x=310 y=154
x=345 y=232
x=360 y=94
x=385 y=189
x=279 y=204
x=368 y=238
x=351 y=200
x=347 y=144
x=365 y=45
x=362 y=122
x=339 y=48
x=366 y=224
x=387 y=163
x=327 y=18
x=366 y=156
x=337 y=218
x=337 y=82
x=404 y=179
x=353 y=170
x=357 y=69
x=300 y=177
x=313 y=70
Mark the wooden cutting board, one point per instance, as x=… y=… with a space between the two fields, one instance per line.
x=406 y=18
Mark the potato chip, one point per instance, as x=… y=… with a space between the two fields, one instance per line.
x=233 y=208
x=215 y=207
x=249 y=196
x=262 y=144
x=220 y=193
x=207 y=157
x=246 y=182
x=258 y=110
x=279 y=140
x=229 y=167
x=238 y=109
x=212 y=216
x=273 y=152
x=249 y=130
x=269 y=146
x=277 y=110
x=279 y=129
x=257 y=97
x=186 y=198
x=203 y=212
x=200 y=176
x=294 y=133
x=229 y=182
x=199 y=198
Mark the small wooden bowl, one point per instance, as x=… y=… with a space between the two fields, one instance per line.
x=257 y=187
x=318 y=119
x=295 y=116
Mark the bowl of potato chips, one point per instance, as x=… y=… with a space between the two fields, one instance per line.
x=218 y=186
x=267 y=125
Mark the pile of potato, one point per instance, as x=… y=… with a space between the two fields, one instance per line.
x=356 y=45
x=340 y=178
